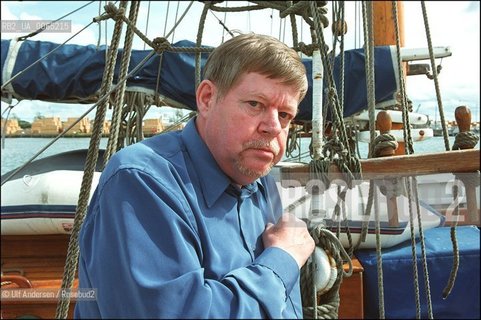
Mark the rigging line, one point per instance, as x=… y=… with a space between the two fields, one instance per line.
x=4 y=129
x=272 y=20
x=302 y=34
x=101 y=100
x=248 y=19
x=176 y=15
x=40 y=59
x=10 y=107
x=147 y=23
x=280 y=28
x=180 y=19
x=100 y=25
x=166 y=17
x=105 y=38
x=225 y=19
x=224 y=27
x=355 y=24
x=45 y=26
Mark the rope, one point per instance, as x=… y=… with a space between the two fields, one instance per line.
x=119 y=95
x=92 y=155
x=4 y=122
x=454 y=269
x=147 y=22
x=369 y=65
x=292 y=143
x=435 y=77
x=413 y=253
x=158 y=44
x=366 y=214
x=383 y=141
x=423 y=250
x=409 y=149
x=43 y=28
x=176 y=15
x=329 y=301
x=465 y=140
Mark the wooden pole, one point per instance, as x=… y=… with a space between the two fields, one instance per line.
x=385 y=35
x=384 y=28
x=463 y=119
x=384 y=123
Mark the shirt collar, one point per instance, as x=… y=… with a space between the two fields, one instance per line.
x=212 y=179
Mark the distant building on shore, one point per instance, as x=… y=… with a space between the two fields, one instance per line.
x=152 y=126
x=47 y=126
x=52 y=126
x=11 y=126
x=83 y=126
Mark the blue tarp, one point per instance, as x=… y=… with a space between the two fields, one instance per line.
x=398 y=277
x=74 y=73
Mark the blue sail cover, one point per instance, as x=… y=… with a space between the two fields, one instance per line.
x=73 y=73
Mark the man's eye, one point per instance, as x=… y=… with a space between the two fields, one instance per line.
x=283 y=115
x=253 y=103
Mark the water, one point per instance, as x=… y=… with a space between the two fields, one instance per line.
x=17 y=151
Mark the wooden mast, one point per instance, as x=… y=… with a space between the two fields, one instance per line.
x=383 y=23
x=385 y=35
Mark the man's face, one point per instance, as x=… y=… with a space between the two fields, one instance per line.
x=246 y=130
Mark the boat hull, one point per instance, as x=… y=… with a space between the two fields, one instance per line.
x=42 y=198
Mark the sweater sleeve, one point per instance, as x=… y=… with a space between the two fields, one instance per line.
x=141 y=251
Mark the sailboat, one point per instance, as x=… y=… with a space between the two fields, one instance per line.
x=38 y=209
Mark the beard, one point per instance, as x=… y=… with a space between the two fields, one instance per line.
x=257 y=144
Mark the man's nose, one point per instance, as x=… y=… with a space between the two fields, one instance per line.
x=270 y=123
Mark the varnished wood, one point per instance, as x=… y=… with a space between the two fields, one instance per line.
x=351 y=293
x=463 y=118
x=384 y=32
x=383 y=23
x=45 y=309
x=383 y=121
x=384 y=124
x=40 y=259
x=399 y=166
x=15 y=280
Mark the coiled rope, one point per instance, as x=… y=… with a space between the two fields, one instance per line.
x=324 y=306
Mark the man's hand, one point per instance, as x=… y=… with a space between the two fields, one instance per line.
x=291 y=235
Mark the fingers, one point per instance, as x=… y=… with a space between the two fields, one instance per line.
x=290 y=234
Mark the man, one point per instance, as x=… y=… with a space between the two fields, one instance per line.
x=189 y=224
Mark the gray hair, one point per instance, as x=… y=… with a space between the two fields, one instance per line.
x=255 y=53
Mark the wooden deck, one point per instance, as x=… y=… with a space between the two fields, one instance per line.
x=41 y=265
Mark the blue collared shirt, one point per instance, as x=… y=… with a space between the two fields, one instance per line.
x=168 y=236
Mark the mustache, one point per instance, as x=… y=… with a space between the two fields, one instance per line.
x=263 y=144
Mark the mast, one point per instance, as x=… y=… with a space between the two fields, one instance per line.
x=385 y=35
x=384 y=28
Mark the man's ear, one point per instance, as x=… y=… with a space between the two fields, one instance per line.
x=205 y=95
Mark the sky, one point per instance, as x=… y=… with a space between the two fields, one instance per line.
x=452 y=23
